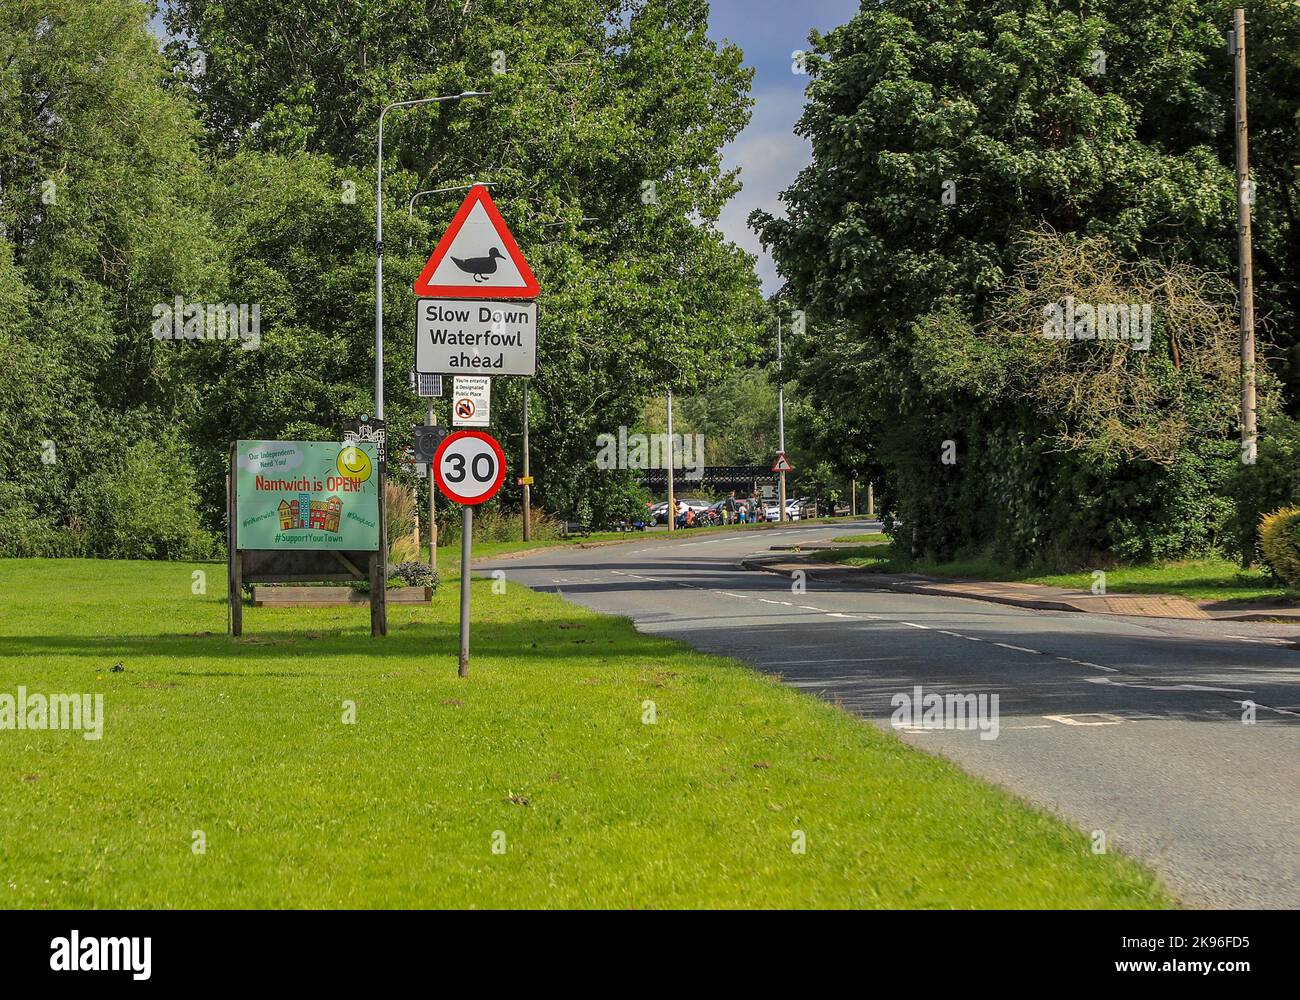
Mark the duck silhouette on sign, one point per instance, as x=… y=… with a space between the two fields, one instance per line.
x=480 y=267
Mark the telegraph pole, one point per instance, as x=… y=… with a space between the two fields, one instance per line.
x=1249 y=438
x=780 y=411
x=528 y=512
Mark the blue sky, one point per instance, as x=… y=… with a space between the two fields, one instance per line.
x=768 y=152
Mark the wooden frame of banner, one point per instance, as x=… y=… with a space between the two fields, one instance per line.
x=314 y=566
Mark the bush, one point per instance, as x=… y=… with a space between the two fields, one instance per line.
x=143 y=505
x=401 y=502
x=414 y=574
x=1273 y=481
x=26 y=534
x=1279 y=540
x=491 y=524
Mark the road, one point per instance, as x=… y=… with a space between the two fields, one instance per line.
x=1131 y=726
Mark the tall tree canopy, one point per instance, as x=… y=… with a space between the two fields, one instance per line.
x=602 y=138
x=944 y=137
x=239 y=167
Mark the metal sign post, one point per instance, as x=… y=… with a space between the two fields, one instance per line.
x=472 y=324
x=466 y=545
x=470 y=468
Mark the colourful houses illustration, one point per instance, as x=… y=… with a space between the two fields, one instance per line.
x=321 y=515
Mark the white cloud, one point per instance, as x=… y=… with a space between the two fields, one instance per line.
x=769 y=155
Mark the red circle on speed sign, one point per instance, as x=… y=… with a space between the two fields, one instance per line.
x=469 y=466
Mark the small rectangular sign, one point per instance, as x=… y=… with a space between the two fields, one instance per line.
x=459 y=337
x=307 y=495
x=471 y=401
x=524 y=481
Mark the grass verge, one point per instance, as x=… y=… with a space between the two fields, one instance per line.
x=1195 y=579
x=543 y=752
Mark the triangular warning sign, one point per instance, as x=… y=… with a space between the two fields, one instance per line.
x=782 y=464
x=477 y=258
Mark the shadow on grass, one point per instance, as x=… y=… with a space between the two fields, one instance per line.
x=550 y=638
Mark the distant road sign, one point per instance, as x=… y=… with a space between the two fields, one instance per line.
x=469 y=467
x=471 y=401
x=477 y=258
x=782 y=464
x=454 y=337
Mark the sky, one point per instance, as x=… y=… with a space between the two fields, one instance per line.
x=768 y=152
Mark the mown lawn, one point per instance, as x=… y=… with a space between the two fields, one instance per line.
x=542 y=751
x=1195 y=579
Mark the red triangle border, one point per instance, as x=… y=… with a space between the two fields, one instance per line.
x=478 y=194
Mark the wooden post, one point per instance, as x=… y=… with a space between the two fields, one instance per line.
x=1249 y=439
x=234 y=575
x=528 y=496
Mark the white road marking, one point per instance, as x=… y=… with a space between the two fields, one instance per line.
x=1085 y=663
x=1168 y=687
x=1018 y=649
x=1262 y=642
x=1073 y=720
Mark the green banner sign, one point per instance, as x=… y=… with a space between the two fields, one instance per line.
x=307 y=495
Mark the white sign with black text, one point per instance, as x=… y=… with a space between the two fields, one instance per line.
x=471 y=401
x=459 y=336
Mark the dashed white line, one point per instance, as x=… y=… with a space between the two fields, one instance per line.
x=1018 y=649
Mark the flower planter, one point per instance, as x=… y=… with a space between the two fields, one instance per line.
x=324 y=597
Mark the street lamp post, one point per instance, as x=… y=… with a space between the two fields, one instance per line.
x=382 y=555
x=379 y=235
x=780 y=410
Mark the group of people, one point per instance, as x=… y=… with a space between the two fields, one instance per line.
x=747 y=510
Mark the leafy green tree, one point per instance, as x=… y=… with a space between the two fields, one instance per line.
x=942 y=136
x=602 y=138
x=101 y=217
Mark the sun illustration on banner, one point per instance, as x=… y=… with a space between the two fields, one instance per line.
x=354 y=463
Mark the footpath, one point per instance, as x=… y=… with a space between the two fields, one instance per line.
x=1025 y=595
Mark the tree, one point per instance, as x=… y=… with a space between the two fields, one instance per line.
x=101 y=194
x=941 y=137
x=613 y=112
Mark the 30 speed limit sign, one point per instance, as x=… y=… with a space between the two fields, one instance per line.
x=469 y=467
